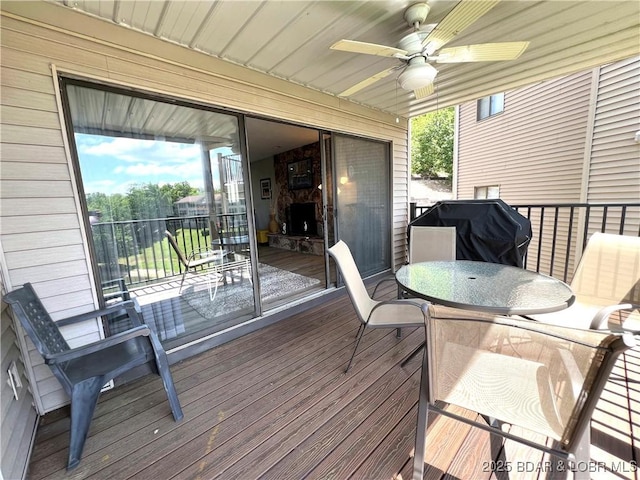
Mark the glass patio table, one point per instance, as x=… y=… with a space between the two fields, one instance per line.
x=485 y=287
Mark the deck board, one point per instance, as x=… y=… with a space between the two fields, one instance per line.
x=276 y=404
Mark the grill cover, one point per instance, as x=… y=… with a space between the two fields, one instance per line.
x=486 y=230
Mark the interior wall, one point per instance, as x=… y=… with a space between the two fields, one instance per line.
x=262 y=169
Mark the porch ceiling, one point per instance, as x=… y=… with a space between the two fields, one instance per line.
x=291 y=39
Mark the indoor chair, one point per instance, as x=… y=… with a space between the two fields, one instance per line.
x=396 y=313
x=606 y=284
x=83 y=371
x=543 y=379
x=197 y=258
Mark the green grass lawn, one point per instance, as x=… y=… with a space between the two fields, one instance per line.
x=161 y=260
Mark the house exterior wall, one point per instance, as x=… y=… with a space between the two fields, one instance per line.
x=42 y=231
x=567 y=140
x=19 y=417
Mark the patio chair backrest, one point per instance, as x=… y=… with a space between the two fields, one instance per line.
x=362 y=301
x=431 y=243
x=174 y=244
x=542 y=378
x=38 y=324
x=609 y=270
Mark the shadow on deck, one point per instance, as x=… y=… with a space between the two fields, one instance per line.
x=276 y=404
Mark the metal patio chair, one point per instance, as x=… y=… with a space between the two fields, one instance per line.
x=196 y=258
x=544 y=379
x=372 y=313
x=84 y=370
x=606 y=284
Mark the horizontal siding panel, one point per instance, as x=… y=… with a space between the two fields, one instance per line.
x=25 y=117
x=31 y=135
x=16 y=153
x=26 y=188
x=614 y=173
x=36 y=206
x=21 y=98
x=11 y=77
x=44 y=256
x=534 y=149
x=29 y=171
x=61 y=287
x=39 y=223
x=77 y=52
x=55 y=271
x=39 y=240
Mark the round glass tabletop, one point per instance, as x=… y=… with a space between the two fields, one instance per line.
x=486 y=287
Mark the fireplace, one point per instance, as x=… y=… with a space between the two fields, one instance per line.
x=302 y=219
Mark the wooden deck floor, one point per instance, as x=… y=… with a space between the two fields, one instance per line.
x=276 y=404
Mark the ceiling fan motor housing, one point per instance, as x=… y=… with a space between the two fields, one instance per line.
x=416 y=14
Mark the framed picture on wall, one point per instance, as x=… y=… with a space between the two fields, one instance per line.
x=265 y=188
x=300 y=174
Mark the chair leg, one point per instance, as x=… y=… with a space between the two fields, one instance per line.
x=167 y=380
x=84 y=397
x=182 y=281
x=360 y=333
x=398 y=333
x=421 y=426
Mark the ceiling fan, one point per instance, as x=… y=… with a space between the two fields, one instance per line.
x=424 y=45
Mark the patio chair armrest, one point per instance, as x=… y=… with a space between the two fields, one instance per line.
x=97 y=346
x=129 y=306
x=395 y=301
x=600 y=319
x=203 y=253
x=384 y=280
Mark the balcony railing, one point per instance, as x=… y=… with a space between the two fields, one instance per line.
x=560 y=231
x=136 y=251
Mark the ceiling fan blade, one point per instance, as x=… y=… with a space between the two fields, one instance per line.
x=368 y=48
x=462 y=15
x=485 y=52
x=423 y=91
x=365 y=83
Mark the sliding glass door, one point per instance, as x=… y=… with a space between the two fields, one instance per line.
x=362 y=200
x=166 y=210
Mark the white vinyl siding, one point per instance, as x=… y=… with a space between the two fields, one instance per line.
x=41 y=230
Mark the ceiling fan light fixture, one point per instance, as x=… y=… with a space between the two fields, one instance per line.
x=417 y=75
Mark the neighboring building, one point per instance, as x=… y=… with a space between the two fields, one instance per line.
x=574 y=139
x=191 y=206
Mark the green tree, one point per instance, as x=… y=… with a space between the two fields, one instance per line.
x=176 y=191
x=432 y=143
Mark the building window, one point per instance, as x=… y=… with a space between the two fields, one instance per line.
x=489 y=106
x=492 y=191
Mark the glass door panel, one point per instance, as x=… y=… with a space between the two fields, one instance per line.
x=363 y=201
x=165 y=208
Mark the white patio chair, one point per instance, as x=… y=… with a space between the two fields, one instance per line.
x=544 y=379
x=372 y=313
x=431 y=244
x=606 y=284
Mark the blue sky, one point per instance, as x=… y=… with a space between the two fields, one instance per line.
x=113 y=164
